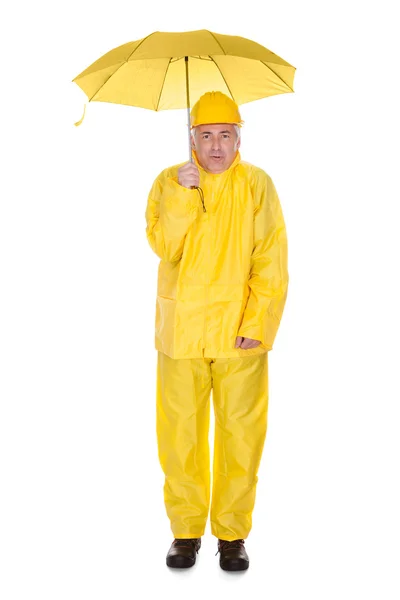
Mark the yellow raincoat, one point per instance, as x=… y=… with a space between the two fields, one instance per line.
x=223 y=273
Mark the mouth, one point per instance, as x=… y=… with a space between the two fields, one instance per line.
x=216 y=157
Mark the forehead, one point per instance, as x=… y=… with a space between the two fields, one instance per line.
x=216 y=128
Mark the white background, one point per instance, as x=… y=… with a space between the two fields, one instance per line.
x=82 y=512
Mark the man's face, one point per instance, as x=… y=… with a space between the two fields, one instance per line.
x=215 y=146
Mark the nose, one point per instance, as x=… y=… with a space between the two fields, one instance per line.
x=215 y=145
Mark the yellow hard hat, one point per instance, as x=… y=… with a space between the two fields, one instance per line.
x=215 y=107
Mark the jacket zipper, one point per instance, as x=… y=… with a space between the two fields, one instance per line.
x=207 y=283
x=205 y=319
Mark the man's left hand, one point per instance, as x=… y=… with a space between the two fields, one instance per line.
x=246 y=343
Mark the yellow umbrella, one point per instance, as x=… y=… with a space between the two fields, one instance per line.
x=171 y=70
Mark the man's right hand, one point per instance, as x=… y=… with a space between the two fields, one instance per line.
x=188 y=175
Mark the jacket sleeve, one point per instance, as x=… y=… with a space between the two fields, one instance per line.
x=171 y=210
x=268 y=278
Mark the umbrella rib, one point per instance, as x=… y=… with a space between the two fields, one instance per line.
x=161 y=89
x=217 y=41
x=222 y=75
x=106 y=81
x=276 y=74
x=142 y=42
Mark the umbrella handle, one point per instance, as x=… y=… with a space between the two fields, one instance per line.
x=189 y=137
x=193 y=187
x=188 y=105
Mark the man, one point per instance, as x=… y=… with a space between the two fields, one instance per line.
x=217 y=226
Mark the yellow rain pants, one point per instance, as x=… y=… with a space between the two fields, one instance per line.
x=240 y=399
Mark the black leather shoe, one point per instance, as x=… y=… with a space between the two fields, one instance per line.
x=233 y=555
x=182 y=553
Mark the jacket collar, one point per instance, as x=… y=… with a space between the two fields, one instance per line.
x=236 y=160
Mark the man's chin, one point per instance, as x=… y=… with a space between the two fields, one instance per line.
x=216 y=167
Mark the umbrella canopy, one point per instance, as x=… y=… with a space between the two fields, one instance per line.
x=171 y=70
x=150 y=73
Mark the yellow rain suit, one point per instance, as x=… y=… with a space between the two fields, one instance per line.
x=222 y=274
